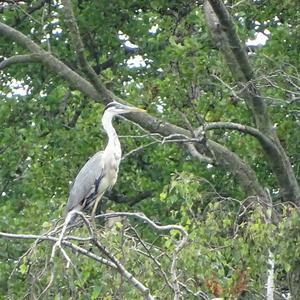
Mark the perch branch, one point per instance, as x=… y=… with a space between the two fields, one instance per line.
x=147 y=122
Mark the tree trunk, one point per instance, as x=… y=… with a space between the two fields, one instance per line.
x=226 y=39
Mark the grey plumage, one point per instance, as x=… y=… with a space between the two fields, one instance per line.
x=100 y=172
x=90 y=175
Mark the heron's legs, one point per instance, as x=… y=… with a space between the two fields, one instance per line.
x=95 y=208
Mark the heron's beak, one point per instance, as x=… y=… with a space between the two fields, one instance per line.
x=140 y=109
x=136 y=109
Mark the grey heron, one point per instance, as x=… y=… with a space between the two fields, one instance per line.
x=100 y=172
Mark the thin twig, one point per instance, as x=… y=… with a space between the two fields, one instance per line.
x=52 y=239
x=149 y=254
x=178 y=247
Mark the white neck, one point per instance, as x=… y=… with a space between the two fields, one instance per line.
x=113 y=144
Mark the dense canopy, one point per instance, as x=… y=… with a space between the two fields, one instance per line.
x=217 y=152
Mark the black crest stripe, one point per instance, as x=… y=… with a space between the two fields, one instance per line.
x=111 y=104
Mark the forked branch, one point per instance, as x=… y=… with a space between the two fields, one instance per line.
x=147 y=122
x=110 y=260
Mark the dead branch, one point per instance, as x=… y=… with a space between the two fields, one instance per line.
x=177 y=249
x=66 y=243
x=111 y=261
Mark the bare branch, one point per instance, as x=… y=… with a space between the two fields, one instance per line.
x=138 y=149
x=122 y=270
x=20 y=59
x=136 y=283
x=196 y=154
x=177 y=249
x=197 y=295
x=64 y=242
x=242 y=128
x=174 y=138
x=49 y=283
x=149 y=254
x=113 y=261
x=227 y=86
x=142 y=217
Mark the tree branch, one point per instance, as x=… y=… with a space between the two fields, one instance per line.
x=28 y=13
x=64 y=242
x=79 y=48
x=146 y=121
x=137 y=284
x=197 y=155
x=47 y=59
x=233 y=39
x=113 y=261
x=177 y=249
x=142 y=217
x=263 y=139
x=222 y=28
x=131 y=201
x=20 y=59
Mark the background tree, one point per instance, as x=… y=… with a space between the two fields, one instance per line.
x=217 y=153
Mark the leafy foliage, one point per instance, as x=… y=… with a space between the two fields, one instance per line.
x=48 y=133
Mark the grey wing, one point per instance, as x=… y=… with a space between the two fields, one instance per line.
x=85 y=181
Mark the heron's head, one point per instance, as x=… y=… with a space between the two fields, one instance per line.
x=116 y=108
